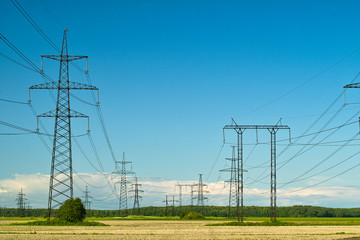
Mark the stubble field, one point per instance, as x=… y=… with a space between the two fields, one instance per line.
x=175 y=229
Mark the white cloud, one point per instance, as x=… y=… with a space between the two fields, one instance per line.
x=105 y=193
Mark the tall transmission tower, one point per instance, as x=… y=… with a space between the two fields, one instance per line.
x=192 y=194
x=200 y=192
x=351 y=85
x=173 y=201
x=240 y=173
x=21 y=203
x=233 y=181
x=86 y=199
x=180 y=186
x=136 y=206
x=166 y=201
x=123 y=173
x=61 y=175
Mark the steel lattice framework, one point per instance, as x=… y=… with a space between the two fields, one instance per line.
x=233 y=189
x=87 y=202
x=61 y=176
x=136 y=206
x=21 y=203
x=180 y=192
x=200 y=192
x=123 y=173
x=240 y=171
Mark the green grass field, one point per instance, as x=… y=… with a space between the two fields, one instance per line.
x=311 y=221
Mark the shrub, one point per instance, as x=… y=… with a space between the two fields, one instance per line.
x=183 y=214
x=72 y=210
x=194 y=215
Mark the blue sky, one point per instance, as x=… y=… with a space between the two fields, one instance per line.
x=171 y=74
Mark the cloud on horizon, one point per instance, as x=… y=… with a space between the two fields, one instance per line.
x=105 y=192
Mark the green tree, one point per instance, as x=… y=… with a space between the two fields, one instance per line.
x=72 y=210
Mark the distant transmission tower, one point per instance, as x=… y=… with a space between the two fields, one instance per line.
x=180 y=192
x=21 y=203
x=166 y=201
x=192 y=194
x=200 y=192
x=123 y=173
x=61 y=176
x=233 y=193
x=86 y=199
x=173 y=201
x=136 y=206
x=273 y=129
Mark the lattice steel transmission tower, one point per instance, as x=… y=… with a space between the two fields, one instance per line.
x=272 y=130
x=200 y=192
x=136 y=206
x=173 y=201
x=123 y=173
x=166 y=201
x=180 y=192
x=21 y=203
x=61 y=175
x=233 y=181
x=87 y=202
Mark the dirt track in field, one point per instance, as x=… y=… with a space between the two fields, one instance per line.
x=189 y=230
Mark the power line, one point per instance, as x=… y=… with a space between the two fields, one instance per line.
x=303 y=83
x=296 y=179
x=18 y=63
x=328 y=179
x=33 y=23
x=11 y=101
x=216 y=159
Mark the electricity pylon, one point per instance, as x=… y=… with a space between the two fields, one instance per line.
x=240 y=173
x=180 y=192
x=61 y=176
x=173 y=201
x=352 y=85
x=123 y=173
x=86 y=199
x=136 y=206
x=200 y=192
x=21 y=203
x=233 y=192
x=166 y=201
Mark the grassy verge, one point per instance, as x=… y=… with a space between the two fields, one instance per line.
x=154 y=218
x=294 y=222
x=277 y=223
x=56 y=222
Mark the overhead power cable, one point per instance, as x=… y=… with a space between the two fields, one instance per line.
x=323 y=181
x=216 y=159
x=18 y=63
x=86 y=182
x=302 y=151
x=303 y=83
x=33 y=23
x=11 y=101
x=39 y=30
x=296 y=179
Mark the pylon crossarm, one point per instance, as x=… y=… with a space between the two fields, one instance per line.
x=243 y=127
x=64 y=57
x=352 y=85
x=72 y=85
x=73 y=114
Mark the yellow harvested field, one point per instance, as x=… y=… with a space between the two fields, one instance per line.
x=176 y=230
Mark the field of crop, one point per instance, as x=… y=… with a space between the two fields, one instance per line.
x=332 y=228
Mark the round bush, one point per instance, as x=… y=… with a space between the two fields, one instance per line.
x=194 y=215
x=72 y=210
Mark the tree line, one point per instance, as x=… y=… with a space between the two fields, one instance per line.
x=208 y=211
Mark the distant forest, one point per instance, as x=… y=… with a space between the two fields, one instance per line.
x=209 y=211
